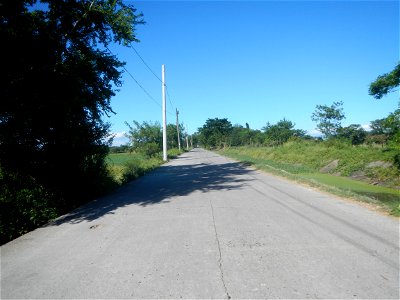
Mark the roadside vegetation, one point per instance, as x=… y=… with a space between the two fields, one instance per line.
x=55 y=142
x=345 y=160
x=127 y=166
x=365 y=173
x=29 y=205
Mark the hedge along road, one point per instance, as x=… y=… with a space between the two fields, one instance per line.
x=203 y=226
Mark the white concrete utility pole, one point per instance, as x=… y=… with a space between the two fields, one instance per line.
x=177 y=129
x=164 y=113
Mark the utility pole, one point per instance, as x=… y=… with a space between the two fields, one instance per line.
x=177 y=129
x=187 y=139
x=164 y=113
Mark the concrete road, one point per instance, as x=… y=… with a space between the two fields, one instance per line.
x=203 y=226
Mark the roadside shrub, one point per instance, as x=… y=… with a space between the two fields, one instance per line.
x=24 y=206
x=337 y=143
x=149 y=149
x=132 y=170
x=397 y=161
x=174 y=153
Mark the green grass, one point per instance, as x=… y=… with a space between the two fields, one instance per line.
x=124 y=167
x=301 y=161
x=119 y=159
x=386 y=197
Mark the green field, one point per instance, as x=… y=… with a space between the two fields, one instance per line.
x=302 y=162
x=124 y=167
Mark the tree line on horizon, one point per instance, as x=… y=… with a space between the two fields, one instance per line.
x=220 y=133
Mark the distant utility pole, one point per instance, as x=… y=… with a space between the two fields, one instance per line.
x=164 y=113
x=177 y=129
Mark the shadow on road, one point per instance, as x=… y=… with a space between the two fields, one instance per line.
x=162 y=184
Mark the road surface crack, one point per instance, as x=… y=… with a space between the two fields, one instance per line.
x=220 y=255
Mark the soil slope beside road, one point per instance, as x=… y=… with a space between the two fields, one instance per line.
x=203 y=226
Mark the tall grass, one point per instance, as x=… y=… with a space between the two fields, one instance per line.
x=124 y=167
x=302 y=161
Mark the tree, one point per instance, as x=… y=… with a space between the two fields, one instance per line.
x=392 y=124
x=328 y=118
x=215 y=133
x=353 y=133
x=57 y=82
x=281 y=132
x=385 y=83
x=378 y=127
x=386 y=129
x=146 y=137
x=172 y=136
x=240 y=136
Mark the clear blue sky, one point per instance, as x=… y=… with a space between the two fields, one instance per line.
x=259 y=61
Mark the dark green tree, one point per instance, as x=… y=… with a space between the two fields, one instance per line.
x=57 y=80
x=281 y=132
x=386 y=129
x=240 y=136
x=392 y=124
x=385 y=83
x=353 y=133
x=172 y=136
x=329 y=118
x=378 y=127
x=146 y=137
x=215 y=133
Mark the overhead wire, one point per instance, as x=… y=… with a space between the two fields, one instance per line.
x=126 y=70
x=148 y=67
x=134 y=79
x=155 y=75
x=169 y=96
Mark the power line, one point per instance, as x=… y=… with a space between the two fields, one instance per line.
x=155 y=75
x=143 y=89
x=141 y=58
x=169 y=97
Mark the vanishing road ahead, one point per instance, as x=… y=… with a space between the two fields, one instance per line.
x=203 y=226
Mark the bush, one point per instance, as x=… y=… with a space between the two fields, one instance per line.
x=149 y=149
x=24 y=206
x=174 y=153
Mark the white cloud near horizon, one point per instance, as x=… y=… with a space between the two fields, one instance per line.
x=367 y=127
x=119 y=138
x=314 y=133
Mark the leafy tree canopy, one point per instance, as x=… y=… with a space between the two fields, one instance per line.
x=385 y=83
x=145 y=137
x=57 y=82
x=392 y=124
x=215 y=133
x=353 y=133
x=280 y=132
x=172 y=136
x=328 y=118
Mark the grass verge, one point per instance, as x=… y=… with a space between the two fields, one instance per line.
x=387 y=199
x=124 y=167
